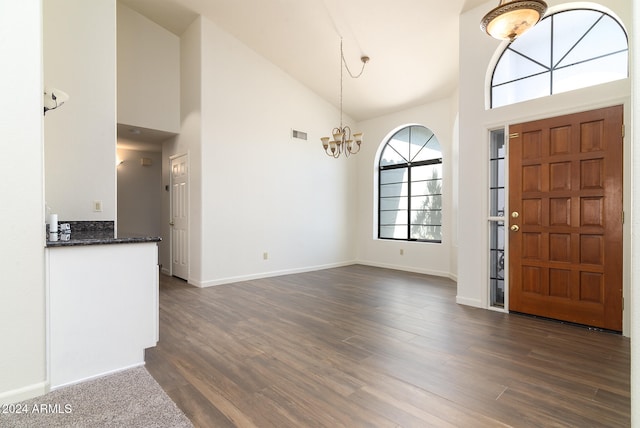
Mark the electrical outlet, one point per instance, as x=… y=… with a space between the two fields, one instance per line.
x=97 y=206
x=265 y=256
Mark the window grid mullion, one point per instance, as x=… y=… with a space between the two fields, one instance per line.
x=591 y=59
x=520 y=78
x=409 y=201
x=379 y=199
x=422 y=147
x=555 y=65
x=551 y=70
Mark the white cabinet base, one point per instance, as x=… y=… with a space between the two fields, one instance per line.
x=102 y=309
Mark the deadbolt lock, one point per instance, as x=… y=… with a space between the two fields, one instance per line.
x=515 y=214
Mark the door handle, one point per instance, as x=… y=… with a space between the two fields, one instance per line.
x=171 y=223
x=515 y=227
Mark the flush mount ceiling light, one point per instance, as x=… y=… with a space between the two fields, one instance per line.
x=343 y=141
x=512 y=18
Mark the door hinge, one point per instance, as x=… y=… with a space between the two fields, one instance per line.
x=623 y=130
x=622 y=217
x=514 y=135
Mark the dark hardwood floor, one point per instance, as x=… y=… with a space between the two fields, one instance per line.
x=361 y=346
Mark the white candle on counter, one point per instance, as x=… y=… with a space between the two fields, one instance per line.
x=53 y=227
x=53 y=223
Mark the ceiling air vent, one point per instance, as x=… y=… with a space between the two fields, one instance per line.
x=298 y=134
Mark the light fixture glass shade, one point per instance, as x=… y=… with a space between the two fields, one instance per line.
x=512 y=18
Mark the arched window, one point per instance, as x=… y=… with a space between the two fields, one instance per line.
x=567 y=50
x=410 y=192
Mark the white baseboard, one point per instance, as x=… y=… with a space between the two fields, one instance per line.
x=468 y=302
x=431 y=272
x=230 y=280
x=107 y=373
x=24 y=393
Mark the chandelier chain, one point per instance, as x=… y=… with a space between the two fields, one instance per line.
x=345 y=64
x=353 y=76
x=344 y=61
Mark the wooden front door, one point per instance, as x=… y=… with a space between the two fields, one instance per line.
x=565 y=237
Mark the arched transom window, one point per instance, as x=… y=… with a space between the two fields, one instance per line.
x=567 y=50
x=410 y=180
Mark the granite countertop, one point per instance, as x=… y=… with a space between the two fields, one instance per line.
x=97 y=233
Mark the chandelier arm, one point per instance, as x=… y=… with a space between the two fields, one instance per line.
x=330 y=153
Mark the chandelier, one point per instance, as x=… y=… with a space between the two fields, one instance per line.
x=343 y=141
x=512 y=18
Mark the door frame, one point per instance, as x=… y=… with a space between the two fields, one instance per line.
x=188 y=207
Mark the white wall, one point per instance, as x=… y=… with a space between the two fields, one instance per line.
x=139 y=193
x=22 y=305
x=454 y=163
x=254 y=189
x=80 y=137
x=635 y=223
x=187 y=142
x=148 y=73
x=476 y=53
x=149 y=96
x=429 y=258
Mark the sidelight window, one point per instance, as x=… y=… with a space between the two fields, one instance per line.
x=497 y=196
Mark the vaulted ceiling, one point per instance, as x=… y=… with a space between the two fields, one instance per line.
x=413 y=44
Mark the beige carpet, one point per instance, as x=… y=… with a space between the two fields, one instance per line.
x=131 y=398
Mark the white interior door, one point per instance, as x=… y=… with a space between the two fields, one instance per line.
x=180 y=216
